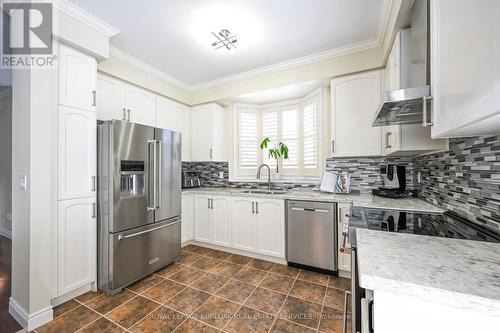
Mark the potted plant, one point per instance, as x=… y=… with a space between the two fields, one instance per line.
x=279 y=151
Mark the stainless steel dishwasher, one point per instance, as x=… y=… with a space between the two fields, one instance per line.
x=311 y=235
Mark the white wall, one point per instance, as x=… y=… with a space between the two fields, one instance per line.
x=5 y=163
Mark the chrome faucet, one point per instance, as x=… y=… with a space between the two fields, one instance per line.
x=268 y=175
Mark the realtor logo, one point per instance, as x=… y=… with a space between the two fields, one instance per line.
x=26 y=35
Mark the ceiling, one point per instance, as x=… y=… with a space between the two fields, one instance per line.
x=289 y=92
x=174 y=36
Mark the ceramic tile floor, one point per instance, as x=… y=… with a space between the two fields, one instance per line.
x=212 y=291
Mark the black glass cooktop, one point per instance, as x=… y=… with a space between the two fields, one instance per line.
x=448 y=224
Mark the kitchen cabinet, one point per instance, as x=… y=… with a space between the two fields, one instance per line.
x=76 y=244
x=77 y=79
x=187 y=226
x=465 y=67
x=221 y=220
x=208 y=133
x=122 y=101
x=243 y=228
x=270 y=221
x=176 y=117
x=344 y=259
x=76 y=153
x=355 y=99
x=141 y=105
x=404 y=139
x=203 y=218
x=110 y=98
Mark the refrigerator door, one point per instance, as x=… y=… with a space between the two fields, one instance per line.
x=169 y=167
x=132 y=147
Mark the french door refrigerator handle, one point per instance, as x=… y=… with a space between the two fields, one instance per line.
x=152 y=184
x=120 y=237
x=159 y=166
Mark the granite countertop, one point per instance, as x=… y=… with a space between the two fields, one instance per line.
x=363 y=200
x=453 y=272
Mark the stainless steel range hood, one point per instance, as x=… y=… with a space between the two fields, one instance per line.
x=411 y=105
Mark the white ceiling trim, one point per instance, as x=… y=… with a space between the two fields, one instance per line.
x=85 y=17
x=289 y=64
x=131 y=60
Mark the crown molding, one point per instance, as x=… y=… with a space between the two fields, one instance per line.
x=85 y=17
x=133 y=61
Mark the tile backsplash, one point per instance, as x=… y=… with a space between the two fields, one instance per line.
x=465 y=179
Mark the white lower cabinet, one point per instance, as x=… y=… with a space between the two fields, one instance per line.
x=343 y=218
x=187 y=227
x=271 y=227
x=243 y=224
x=76 y=243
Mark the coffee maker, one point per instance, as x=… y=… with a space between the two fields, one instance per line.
x=394 y=177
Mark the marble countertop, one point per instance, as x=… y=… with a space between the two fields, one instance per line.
x=363 y=200
x=453 y=272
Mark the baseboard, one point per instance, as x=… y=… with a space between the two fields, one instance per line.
x=345 y=274
x=5 y=233
x=30 y=321
x=237 y=251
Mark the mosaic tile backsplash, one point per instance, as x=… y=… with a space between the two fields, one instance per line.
x=466 y=179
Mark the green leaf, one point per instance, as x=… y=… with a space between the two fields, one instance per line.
x=265 y=143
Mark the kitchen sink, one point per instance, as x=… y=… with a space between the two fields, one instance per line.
x=276 y=192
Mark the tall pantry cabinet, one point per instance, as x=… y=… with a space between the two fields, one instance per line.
x=76 y=163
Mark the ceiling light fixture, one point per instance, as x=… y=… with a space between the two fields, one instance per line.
x=224 y=39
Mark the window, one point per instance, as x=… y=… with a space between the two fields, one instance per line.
x=295 y=124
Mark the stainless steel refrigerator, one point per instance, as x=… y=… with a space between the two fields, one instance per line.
x=139 y=202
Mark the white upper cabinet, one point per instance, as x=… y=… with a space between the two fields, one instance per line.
x=76 y=153
x=141 y=105
x=208 y=133
x=110 y=99
x=465 y=67
x=175 y=116
x=77 y=79
x=355 y=98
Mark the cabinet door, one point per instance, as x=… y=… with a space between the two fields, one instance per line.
x=77 y=79
x=187 y=226
x=76 y=244
x=243 y=229
x=218 y=133
x=110 y=98
x=271 y=227
x=76 y=153
x=203 y=219
x=202 y=130
x=221 y=220
x=141 y=104
x=343 y=218
x=355 y=99
x=175 y=116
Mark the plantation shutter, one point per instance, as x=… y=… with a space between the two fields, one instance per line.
x=248 y=145
x=269 y=129
x=290 y=135
x=310 y=131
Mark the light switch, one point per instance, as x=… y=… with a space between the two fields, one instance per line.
x=23 y=183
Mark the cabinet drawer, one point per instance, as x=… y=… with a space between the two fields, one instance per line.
x=141 y=251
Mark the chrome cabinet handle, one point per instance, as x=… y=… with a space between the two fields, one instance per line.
x=124 y=114
x=256 y=208
x=253 y=207
x=93 y=184
x=211 y=153
x=333 y=146
x=128 y=114
x=208 y=203
x=93 y=98
x=93 y=210
x=212 y=203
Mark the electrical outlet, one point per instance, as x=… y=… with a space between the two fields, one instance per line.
x=221 y=175
x=419 y=177
x=23 y=183
x=9 y=216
